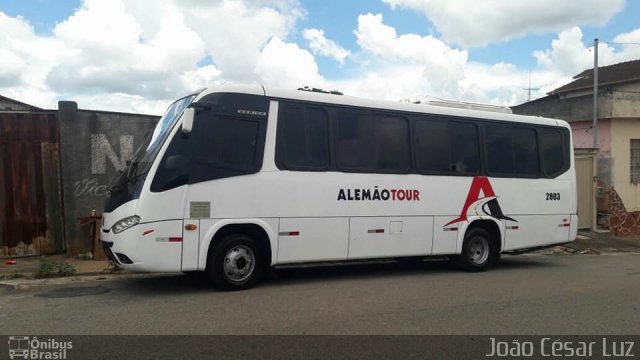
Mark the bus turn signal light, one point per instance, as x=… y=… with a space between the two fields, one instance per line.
x=190 y=227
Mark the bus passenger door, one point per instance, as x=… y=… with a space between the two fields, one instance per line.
x=190 y=244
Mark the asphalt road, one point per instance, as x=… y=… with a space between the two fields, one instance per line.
x=528 y=294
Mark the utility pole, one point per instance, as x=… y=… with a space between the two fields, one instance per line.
x=595 y=93
x=530 y=88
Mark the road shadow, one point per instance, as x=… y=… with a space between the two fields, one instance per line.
x=431 y=267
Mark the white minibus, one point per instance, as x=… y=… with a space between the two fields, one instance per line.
x=238 y=179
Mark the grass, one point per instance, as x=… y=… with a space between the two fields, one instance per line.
x=14 y=275
x=49 y=268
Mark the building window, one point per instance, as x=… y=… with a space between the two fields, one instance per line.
x=635 y=161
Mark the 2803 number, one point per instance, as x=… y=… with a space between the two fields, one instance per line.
x=553 y=196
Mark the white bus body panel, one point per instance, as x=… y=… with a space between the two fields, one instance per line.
x=371 y=237
x=313 y=239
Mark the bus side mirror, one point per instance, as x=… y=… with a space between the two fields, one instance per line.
x=187 y=120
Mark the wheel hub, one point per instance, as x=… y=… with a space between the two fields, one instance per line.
x=478 y=251
x=239 y=263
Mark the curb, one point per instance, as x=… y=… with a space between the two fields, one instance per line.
x=24 y=284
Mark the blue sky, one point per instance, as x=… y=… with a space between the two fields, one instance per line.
x=125 y=56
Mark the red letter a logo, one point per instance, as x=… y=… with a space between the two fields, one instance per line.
x=479 y=183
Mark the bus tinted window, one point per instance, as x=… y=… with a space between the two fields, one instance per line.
x=511 y=151
x=553 y=151
x=525 y=151
x=499 y=150
x=231 y=143
x=303 y=140
x=446 y=147
x=465 y=149
x=432 y=146
x=368 y=142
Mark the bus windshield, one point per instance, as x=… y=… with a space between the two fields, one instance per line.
x=126 y=185
x=144 y=156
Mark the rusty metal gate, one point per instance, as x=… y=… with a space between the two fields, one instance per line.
x=31 y=214
x=585 y=175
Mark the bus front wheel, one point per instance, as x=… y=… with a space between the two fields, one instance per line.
x=236 y=263
x=478 y=251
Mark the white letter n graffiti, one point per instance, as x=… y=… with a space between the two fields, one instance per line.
x=101 y=150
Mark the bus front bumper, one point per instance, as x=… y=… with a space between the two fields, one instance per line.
x=150 y=247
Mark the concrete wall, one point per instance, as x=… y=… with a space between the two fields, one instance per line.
x=631 y=87
x=582 y=133
x=622 y=131
x=627 y=104
x=570 y=109
x=94 y=146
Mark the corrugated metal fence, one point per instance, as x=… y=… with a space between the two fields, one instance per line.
x=31 y=214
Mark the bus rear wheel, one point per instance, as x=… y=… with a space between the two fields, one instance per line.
x=236 y=263
x=478 y=252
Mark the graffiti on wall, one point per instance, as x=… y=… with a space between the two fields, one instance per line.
x=103 y=154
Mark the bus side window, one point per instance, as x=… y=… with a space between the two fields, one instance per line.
x=512 y=151
x=392 y=140
x=499 y=150
x=372 y=143
x=448 y=147
x=465 y=148
x=432 y=146
x=232 y=146
x=525 y=146
x=303 y=138
x=553 y=152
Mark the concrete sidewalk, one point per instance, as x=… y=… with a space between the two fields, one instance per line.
x=27 y=266
x=595 y=243
x=21 y=275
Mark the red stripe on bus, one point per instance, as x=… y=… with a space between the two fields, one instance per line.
x=289 y=233
x=147 y=232
x=175 y=239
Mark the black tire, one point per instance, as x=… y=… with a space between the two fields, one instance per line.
x=235 y=263
x=478 y=251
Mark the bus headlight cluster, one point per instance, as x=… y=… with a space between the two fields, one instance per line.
x=125 y=223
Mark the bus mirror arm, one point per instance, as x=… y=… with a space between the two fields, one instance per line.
x=187 y=120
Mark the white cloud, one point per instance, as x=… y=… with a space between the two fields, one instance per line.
x=569 y=55
x=320 y=45
x=104 y=52
x=127 y=56
x=285 y=65
x=235 y=31
x=112 y=51
x=473 y=23
x=407 y=65
x=122 y=103
x=25 y=60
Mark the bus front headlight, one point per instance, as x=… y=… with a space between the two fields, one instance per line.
x=125 y=223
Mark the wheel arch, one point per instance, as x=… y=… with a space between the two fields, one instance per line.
x=258 y=229
x=494 y=227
